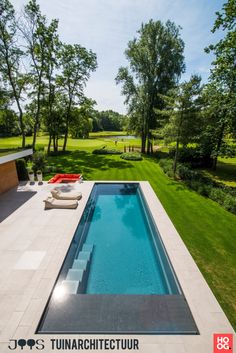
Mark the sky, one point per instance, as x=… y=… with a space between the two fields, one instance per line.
x=106 y=26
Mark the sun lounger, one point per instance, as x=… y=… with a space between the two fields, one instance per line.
x=70 y=195
x=50 y=202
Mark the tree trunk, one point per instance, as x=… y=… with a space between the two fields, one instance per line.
x=22 y=127
x=50 y=114
x=49 y=143
x=67 y=125
x=34 y=136
x=57 y=139
x=219 y=143
x=150 y=145
x=176 y=156
x=177 y=143
x=21 y=122
x=65 y=138
x=143 y=149
x=54 y=142
x=15 y=93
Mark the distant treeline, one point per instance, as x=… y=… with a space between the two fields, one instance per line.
x=84 y=122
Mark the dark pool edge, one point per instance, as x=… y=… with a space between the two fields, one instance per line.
x=120 y=314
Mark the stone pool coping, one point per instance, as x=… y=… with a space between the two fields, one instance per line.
x=33 y=244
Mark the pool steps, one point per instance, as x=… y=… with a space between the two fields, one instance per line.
x=71 y=287
x=87 y=247
x=76 y=274
x=80 y=264
x=84 y=255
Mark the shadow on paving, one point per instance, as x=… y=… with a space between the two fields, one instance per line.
x=11 y=200
x=85 y=163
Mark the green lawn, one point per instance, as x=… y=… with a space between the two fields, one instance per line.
x=225 y=172
x=206 y=228
x=107 y=133
x=73 y=144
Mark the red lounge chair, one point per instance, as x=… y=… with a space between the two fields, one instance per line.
x=64 y=178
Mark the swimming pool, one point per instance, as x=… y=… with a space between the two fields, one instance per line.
x=116 y=266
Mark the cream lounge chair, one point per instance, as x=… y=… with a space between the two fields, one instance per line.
x=70 y=195
x=50 y=202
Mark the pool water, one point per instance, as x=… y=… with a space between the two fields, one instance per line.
x=124 y=259
x=126 y=255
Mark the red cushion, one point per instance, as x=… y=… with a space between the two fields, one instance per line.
x=58 y=178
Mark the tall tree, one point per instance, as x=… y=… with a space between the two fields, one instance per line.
x=221 y=91
x=183 y=107
x=219 y=109
x=76 y=64
x=11 y=59
x=53 y=112
x=224 y=64
x=156 y=62
x=40 y=38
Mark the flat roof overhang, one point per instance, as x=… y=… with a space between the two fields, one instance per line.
x=13 y=156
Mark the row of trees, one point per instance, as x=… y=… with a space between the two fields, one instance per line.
x=86 y=119
x=188 y=112
x=41 y=75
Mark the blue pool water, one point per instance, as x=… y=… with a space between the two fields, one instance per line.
x=116 y=248
x=127 y=255
x=124 y=260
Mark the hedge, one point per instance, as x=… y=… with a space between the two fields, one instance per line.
x=106 y=151
x=131 y=156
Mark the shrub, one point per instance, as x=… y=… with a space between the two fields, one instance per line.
x=166 y=165
x=106 y=151
x=50 y=169
x=39 y=161
x=28 y=146
x=184 y=172
x=218 y=195
x=204 y=189
x=131 y=156
x=230 y=203
x=193 y=156
x=170 y=173
x=21 y=169
x=39 y=147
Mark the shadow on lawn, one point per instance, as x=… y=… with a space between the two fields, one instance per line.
x=85 y=163
x=224 y=172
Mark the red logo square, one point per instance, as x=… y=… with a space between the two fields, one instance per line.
x=223 y=342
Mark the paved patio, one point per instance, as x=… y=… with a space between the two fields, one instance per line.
x=33 y=244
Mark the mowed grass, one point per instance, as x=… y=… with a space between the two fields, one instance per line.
x=225 y=172
x=96 y=141
x=206 y=228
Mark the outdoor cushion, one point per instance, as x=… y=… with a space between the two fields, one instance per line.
x=70 y=195
x=50 y=202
